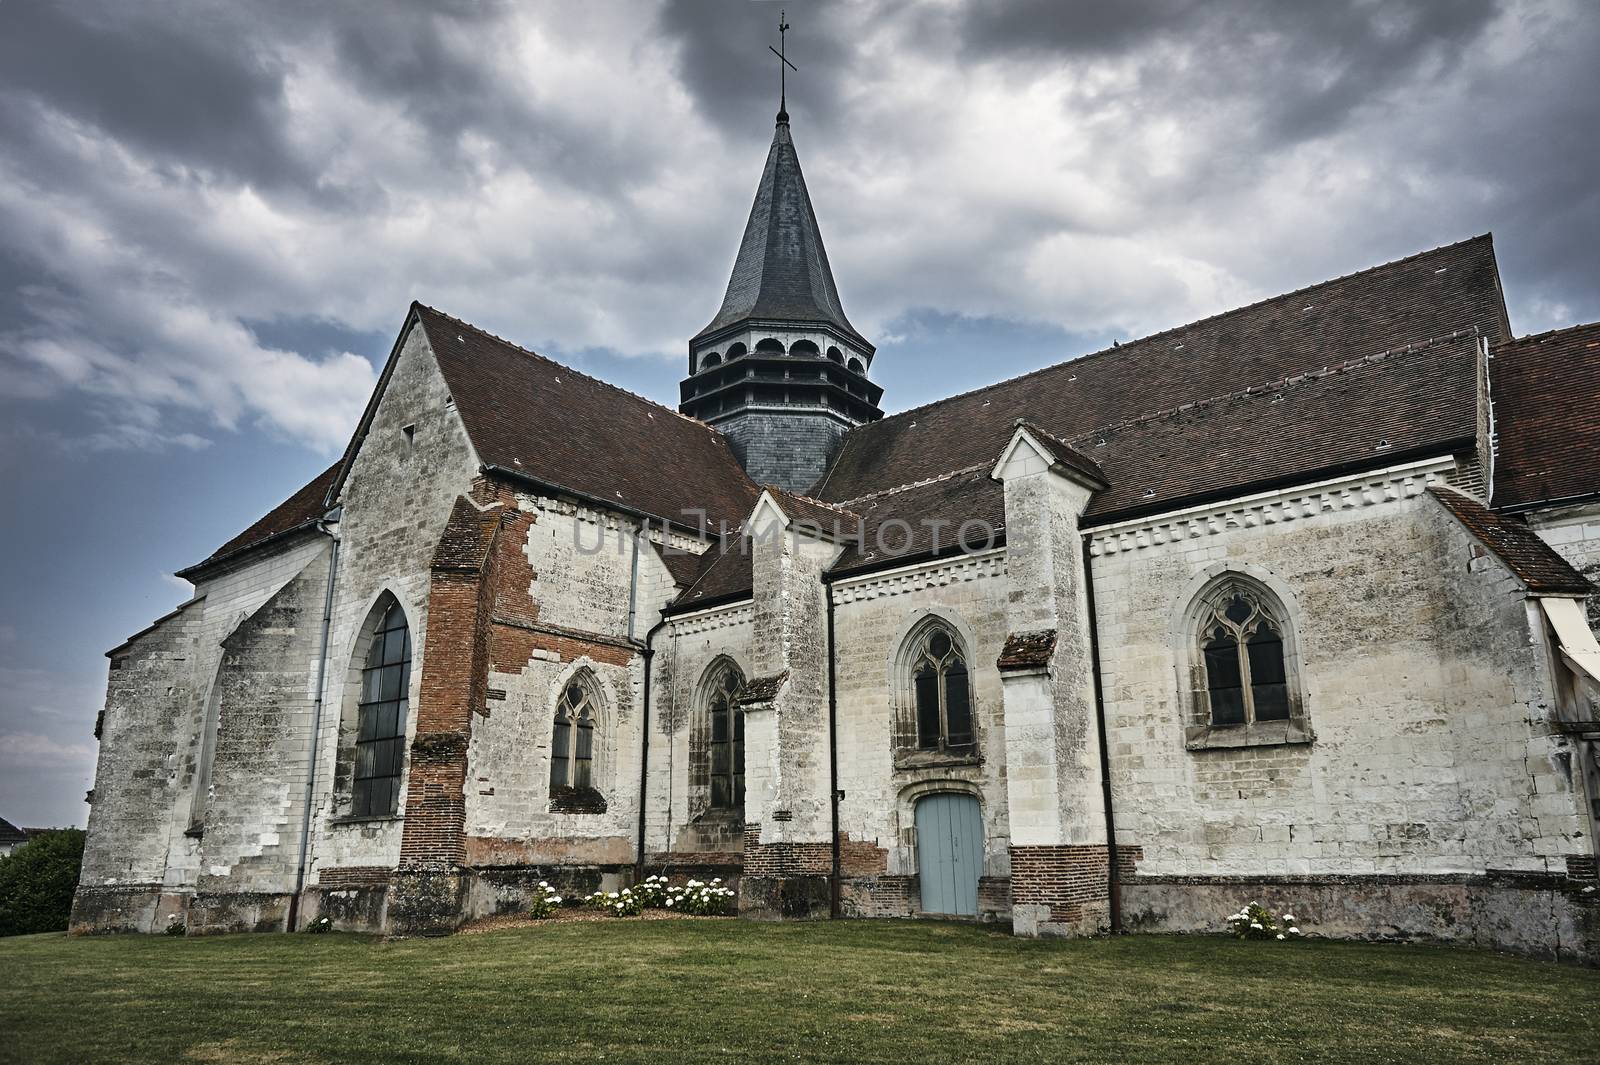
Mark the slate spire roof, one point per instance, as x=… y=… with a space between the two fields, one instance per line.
x=781 y=271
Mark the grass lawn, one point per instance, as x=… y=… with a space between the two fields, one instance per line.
x=855 y=991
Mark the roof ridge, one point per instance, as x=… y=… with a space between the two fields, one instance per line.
x=1277 y=384
x=802 y=497
x=909 y=485
x=576 y=372
x=1547 y=333
x=1118 y=346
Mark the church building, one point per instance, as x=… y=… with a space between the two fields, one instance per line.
x=1291 y=604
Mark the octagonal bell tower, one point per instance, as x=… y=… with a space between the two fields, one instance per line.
x=780 y=370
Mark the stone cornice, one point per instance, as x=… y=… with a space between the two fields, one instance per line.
x=1270 y=508
x=715 y=617
x=921 y=575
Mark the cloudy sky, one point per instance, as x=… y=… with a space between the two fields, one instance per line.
x=213 y=217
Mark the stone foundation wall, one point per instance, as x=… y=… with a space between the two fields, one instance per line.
x=1546 y=916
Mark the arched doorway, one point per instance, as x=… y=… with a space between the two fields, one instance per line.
x=949 y=853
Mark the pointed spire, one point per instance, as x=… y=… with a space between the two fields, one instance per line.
x=782 y=272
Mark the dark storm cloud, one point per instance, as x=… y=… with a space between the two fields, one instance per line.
x=724 y=62
x=184 y=89
x=1299 y=68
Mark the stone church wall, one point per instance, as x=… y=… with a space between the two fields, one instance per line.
x=562 y=616
x=881 y=774
x=682 y=832
x=1432 y=777
x=250 y=846
x=396 y=499
x=140 y=846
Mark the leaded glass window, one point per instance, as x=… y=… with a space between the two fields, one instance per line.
x=941 y=688
x=381 y=718
x=726 y=722
x=572 y=741
x=1241 y=643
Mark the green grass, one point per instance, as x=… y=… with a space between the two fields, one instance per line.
x=856 y=991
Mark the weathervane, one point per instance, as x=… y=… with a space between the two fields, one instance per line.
x=784 y=66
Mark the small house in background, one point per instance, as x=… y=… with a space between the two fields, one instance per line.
x=11 y=837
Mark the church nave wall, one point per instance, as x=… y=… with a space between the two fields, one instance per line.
x=881 y=772
x=1431 y=761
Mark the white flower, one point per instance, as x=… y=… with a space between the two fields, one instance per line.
x=1255 y=924
x=611 y=894
x=1280 y=935
x=543 y=884
x=556 y=900
x=1294 y=931
x=1288 y=917
x=669 y=902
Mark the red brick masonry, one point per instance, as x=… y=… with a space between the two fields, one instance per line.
x=1066 y=877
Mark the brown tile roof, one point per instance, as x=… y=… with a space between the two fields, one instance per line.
x=1535 y=562
x=468 y=536
x=526 y=414
x=1545 y=392
x=685 y=566
x=1437 y=293
x=830 y=519
x=762 y=689
x=1065 y=454
x=299 y=511
x=724 y=576
x=1027 y=650
x=1368 y=412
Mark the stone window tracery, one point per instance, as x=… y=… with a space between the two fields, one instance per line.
x=1243 y=667
x=941 y=690
x=572 y=740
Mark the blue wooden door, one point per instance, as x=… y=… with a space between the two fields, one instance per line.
x=949 y=853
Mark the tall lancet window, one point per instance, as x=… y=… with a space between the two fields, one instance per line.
x=381 y=718
x=941 y=688
x=572 y=740
x=726 y=742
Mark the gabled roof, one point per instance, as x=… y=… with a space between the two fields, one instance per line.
x=300 y=511
x=781 y=271
x=1545 y=392
x=10 y=833
x=1533 y=561
x=528 y=415
x=829 y=519
x=1450 y=291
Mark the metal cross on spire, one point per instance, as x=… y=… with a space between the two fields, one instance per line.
x=784 y=66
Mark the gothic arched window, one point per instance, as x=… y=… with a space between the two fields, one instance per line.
x=381 y=717
x=572 y=739
x=1243 y=666
x=1242 y=645
x=941 y=689
x=726 y=740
